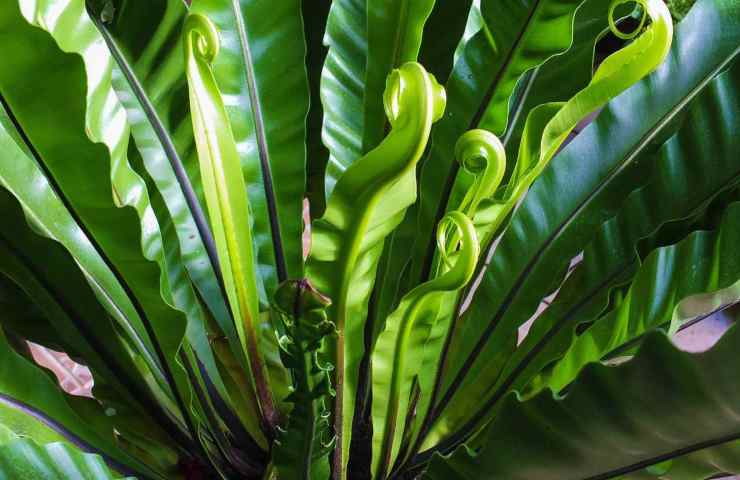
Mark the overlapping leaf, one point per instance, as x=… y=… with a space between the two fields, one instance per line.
x=515 y=37
x=703 y=263
x=524 y=267
x=348 y=240
x=94 y=206
x=610 y=258
x=615 y=420
x=226 y=198
x=25 y=388
x=260 y=65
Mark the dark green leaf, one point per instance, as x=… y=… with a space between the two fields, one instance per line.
x=24 y=459
x=63 y=119
x=533 y=253
x=615 y=420
x=690 y=169
x=342 y=86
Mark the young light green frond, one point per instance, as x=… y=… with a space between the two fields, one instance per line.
x=549 y=125
x=226 y=197
x=398 y=356
x=481 y=154
x=367 y=204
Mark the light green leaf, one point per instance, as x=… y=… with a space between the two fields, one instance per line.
x=398 y=355
x=516 y=36
x=348 y=240
x=226 y=198
x=261 y=65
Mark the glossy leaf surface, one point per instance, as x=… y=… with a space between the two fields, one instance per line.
x=24 y=459
x=610 y=259
x=524 y=268
x=348 y=240
x=342 y=86
x=132 y=256
x=226 y=197
x=650 y=408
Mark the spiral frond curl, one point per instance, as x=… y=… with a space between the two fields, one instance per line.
x=481 y=154
x=202 y=40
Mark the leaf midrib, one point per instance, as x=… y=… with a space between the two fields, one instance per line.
x=680 y=452
x=263 y=151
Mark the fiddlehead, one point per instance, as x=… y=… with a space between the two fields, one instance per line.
x=482 y=155
x=399 y=351
x=367 y=204
x=201 y=39
x=613 y=25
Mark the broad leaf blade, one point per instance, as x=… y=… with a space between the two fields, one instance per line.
x=654 y=404
x=51 y=217
x=65 y=314
x=610 y=259
x=25 y=459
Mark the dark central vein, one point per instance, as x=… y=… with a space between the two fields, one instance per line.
x=259 y=124
x=68 y=435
